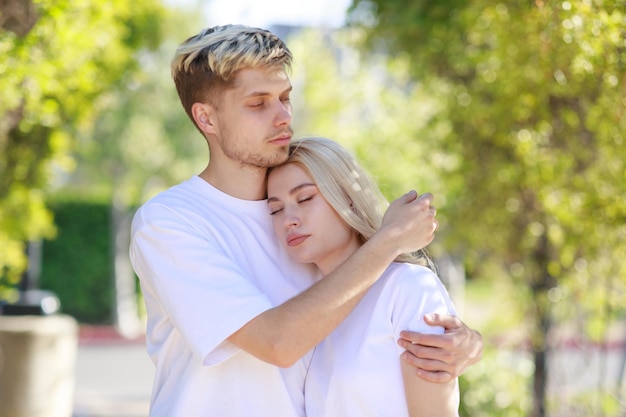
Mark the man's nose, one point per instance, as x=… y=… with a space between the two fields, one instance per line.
x=283 y=113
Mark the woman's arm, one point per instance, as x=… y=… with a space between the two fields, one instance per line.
x=429 y=399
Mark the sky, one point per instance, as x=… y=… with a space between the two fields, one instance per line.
x=264 y=13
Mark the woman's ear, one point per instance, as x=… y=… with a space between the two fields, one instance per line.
x=351 y=205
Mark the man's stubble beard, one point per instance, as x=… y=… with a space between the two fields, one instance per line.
x=281 y=157
x=243 y=156
x=234 y=150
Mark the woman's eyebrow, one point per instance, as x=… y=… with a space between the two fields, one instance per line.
x=301 y=186
x=293 y=191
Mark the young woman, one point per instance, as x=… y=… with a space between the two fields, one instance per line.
x=324 y=207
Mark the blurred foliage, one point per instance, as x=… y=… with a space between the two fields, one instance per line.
x=77 y=263
x=370 y=105
x=534 y=95
x=143 y=141
x=480 y=395
x=57 y=59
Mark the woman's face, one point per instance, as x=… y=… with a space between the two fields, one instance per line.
x=305 y=224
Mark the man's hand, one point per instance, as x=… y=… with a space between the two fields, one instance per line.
x=442 y=357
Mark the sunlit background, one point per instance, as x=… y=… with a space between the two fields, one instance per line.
x=323 y=13
x=512 y=113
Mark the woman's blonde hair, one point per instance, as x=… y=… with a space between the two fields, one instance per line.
x=347 y=187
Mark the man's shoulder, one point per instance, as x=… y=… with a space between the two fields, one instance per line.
x=175 y=202
x=173 y=194
x=184 y=195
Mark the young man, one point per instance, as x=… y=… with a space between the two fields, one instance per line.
x=226 y=305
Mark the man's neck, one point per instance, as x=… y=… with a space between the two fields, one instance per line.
x=245 y=182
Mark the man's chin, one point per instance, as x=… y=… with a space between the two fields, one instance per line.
x=279 y=158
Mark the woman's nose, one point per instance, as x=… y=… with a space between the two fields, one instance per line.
x=292 y=219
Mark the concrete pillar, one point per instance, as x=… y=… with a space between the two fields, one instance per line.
x=37 y=361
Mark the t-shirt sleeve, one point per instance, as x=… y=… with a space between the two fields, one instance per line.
x=193 y=286
x=417 y=291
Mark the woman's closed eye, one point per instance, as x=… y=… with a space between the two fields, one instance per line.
x=275 y=210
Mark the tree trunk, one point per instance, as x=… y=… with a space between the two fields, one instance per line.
x=543 y=320
x=126 y=316
x=540 y=378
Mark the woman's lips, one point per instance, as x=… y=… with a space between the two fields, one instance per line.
x=295 y=240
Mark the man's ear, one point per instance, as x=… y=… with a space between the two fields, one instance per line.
x=203 y=114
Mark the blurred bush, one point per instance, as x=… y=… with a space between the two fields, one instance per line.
x=77 y=265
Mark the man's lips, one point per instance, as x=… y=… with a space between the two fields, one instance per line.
x=283 y=139
x=295 y=240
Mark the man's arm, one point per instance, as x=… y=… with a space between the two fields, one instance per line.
x=283 y=334
x=442 y=357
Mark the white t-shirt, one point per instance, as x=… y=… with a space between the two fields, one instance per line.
x=356 y=371
x=208 y=263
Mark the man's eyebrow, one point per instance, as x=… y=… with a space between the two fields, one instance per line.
x=257 y=94
x=293 y=190
x=253 y=94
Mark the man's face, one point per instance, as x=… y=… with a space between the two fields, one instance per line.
x=253 y=119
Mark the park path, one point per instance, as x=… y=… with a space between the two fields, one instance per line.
x=113 y=375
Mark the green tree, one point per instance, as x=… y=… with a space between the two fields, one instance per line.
x=534 y=96
x=370 y=105
x=143 y=141
x=57 y=59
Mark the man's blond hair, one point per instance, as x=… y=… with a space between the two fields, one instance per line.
x=206 y=64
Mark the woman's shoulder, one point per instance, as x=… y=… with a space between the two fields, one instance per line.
x=401 y=271
x=412 y=291
x=415 y=279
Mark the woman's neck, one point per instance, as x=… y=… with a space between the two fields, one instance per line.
x=339 y=256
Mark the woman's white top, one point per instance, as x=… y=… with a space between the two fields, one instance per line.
x=355 y=372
